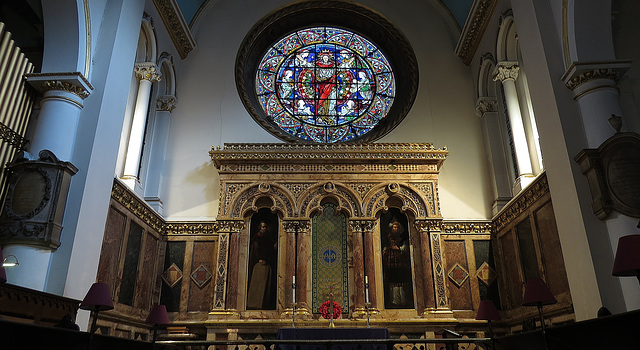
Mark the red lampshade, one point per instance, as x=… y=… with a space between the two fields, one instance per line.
x=536 y=292
x=487 y=311
x=627 y=261
x=98 y=298
x=158 y=315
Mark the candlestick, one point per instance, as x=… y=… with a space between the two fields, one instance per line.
x=293 y=285
x=366 y=289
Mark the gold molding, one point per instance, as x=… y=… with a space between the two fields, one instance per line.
x=474 y=28
x=121 y=194
x=518 y=205
x=397 y=153
x=176 y=26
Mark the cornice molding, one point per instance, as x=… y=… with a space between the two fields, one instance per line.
x=474 y=28
x=580 y=73
x=176 y=26
x=399 y=153
x=518 y=205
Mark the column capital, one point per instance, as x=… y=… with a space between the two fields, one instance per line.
x=506 y=70
x=486 y=105
x=362 y=225
x=147 y=71
x=166 y=103
x=428 y=225
x=229 y=226
x=293 y=226
x=72 y=82
x=580 y=73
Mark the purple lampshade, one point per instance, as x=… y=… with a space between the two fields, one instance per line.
x=158 y=315
x=627 y=261
x=536 y=292
x=487 y=311
x=98 y=298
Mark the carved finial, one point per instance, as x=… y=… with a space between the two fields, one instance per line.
x=616 y=122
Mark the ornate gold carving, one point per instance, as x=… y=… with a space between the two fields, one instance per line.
x=428 y=225
x=147 y=71
x=522 y=202
x=335 y=152
x=176 y=25
x=473 y=31
x=475 y=227
x=191 y=228
x=583 y=72
x=65 y=86
x=486 y=105
x=506 y=70
x=121 y=194
x=293 y=226
x=166 y=103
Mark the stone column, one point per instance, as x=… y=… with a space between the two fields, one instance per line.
x=53 y=141
x=226 y=229
x=303 y=280
x=153 y=183
x=423 y=227
x=370 y=263
x=487 y=110
x=290 y=268
x=443 y=308
x=147 y=74
x=62 y=100
x=594 y=86
x=507 y=73
x=355 y=227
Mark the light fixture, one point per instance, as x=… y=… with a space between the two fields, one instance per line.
x=98 y=299
x=627 y=262
x=536 y=293
x=487 y=311
x=157 y=316
x=10 y=261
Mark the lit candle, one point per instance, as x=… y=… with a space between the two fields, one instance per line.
x=366 y=289
x=293 y=285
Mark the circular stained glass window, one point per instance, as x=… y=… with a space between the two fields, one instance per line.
x=326 y=71
x=325 y=84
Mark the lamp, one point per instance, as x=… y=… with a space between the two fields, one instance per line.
x=98 y=299
x=536 y=293
x=157 y=316
x=627 y=262
x=10 y=261
x=487 y=311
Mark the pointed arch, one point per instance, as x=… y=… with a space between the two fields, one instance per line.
x=411 y=200
x=346 y=199
x=246 y=200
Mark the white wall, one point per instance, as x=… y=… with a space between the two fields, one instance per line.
x=210 y=112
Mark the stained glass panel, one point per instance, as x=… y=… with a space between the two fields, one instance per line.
x=325 y=84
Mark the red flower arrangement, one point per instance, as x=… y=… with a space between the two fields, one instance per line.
x=325 y=309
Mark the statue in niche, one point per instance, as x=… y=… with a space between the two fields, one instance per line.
x=263 y=262
x=396 y=261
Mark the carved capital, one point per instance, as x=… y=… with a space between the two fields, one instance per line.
x=428 y=225
x=147 y=71
x=166 y=103
x=229 y=226
x=486 y=105
x=580 y=73
x=362 y=225
x=506 y=70
x=65 y=86
x=296 y=226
